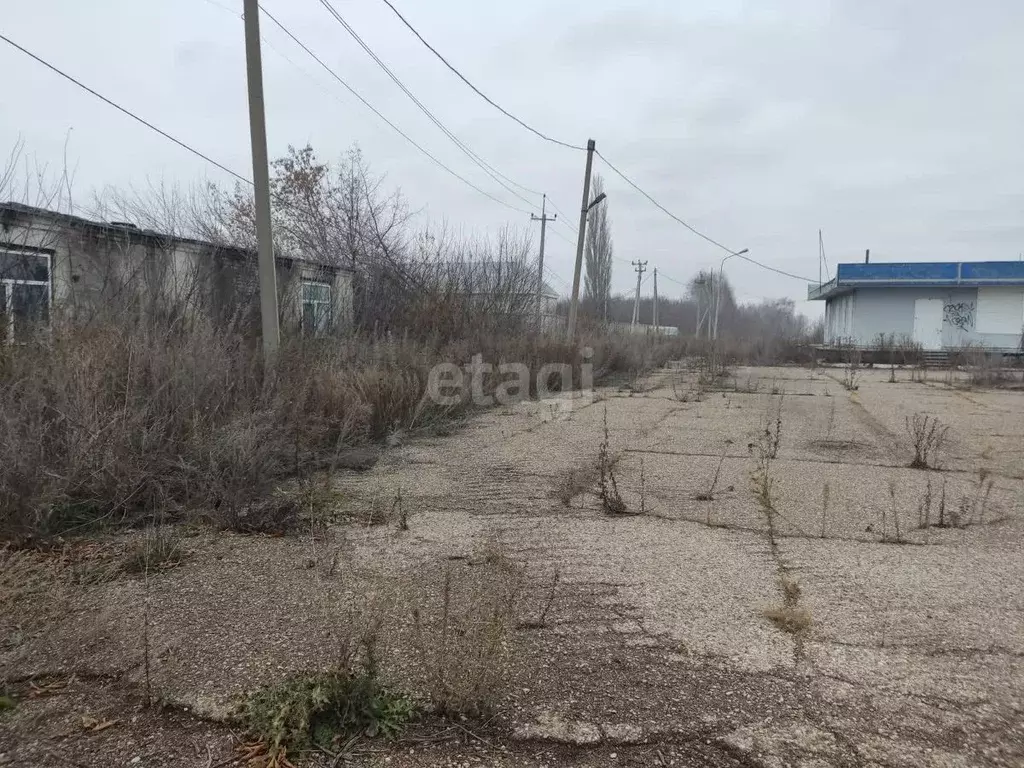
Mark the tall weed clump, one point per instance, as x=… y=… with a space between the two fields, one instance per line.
x=122 y=421
x=130 y=417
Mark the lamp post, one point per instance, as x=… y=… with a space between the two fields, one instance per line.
x=718 y=290
x=584 y=216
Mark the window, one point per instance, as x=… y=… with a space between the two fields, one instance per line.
x=316 y=307
x=25 y=293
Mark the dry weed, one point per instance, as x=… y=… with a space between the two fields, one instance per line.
x=791 y=619
x=464 y=635
x=928 y=437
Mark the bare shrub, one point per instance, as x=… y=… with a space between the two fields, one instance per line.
x=464 y=636
x=894 y=512
x=771 y=435
x=687 y=392
x=611 y=500
x=928 y=437
x=851 y=373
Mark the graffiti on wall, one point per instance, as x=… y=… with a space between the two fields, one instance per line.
x=959 y=314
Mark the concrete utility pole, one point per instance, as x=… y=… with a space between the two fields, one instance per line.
x=641 y=267
x=699 y=282
x=654 y=318
x=261 y=180
x=570 y=336
x=543 y=219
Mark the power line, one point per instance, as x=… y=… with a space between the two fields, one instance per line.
x=696 y=231
x=206 y=157
x=558 y=277
x=124 y=110
x=663 y=209
x=673 y=280
x=476 y=90
x=487 y=168
x=557 y=209
x=377 y=112
x=776 y=271
x=556 y=233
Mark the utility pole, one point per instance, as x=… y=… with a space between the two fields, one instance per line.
x=570 y=335
x=641 y=267
x=543 y=219
x=261 y=181
x=699 y=282
x=654 y=318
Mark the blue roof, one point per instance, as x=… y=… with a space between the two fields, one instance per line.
x=919 y=274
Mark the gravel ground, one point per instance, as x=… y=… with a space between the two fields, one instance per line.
x=654 y=649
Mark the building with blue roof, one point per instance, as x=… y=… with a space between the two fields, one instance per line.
x=939 y=305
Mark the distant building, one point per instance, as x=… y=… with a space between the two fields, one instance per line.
x=508 y=287
x=939 y=305
x=642 y=328
x=51 y=260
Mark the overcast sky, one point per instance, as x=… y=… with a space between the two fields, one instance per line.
x=894 y=125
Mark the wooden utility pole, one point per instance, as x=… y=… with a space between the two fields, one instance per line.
x=570 y=336
x=261 y=181
x=654 y=318
x=543 y=219
x=641 y=267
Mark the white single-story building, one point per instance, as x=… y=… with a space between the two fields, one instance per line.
x=938 y=305
x=52 y=260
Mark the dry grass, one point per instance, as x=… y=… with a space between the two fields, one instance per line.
x=575 y=481
x=709 y=494
x=123 y=419
x=791 y=619
x=790 y=590
x=159 y=550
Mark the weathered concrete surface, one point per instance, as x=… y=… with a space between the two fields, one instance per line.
x=655 y=649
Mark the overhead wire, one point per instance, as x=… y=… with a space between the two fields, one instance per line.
x=125 y=110
x=693 y=229
x=377 y=112
x=476 y=90
x=533 y=130
x=495 y=174
x=187 y=147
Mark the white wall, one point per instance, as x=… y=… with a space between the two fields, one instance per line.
x=992 y=317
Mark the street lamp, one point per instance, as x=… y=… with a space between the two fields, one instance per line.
x=718 y=289
x=584 y=217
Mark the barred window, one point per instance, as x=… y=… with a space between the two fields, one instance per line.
x=316 y=307
x=25 y=293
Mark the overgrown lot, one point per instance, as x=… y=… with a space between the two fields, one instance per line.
x=774 y=581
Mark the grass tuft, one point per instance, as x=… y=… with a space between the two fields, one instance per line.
x=789 y=618
x=159 y=550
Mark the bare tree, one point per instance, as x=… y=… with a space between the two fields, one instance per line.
x=597 y=284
